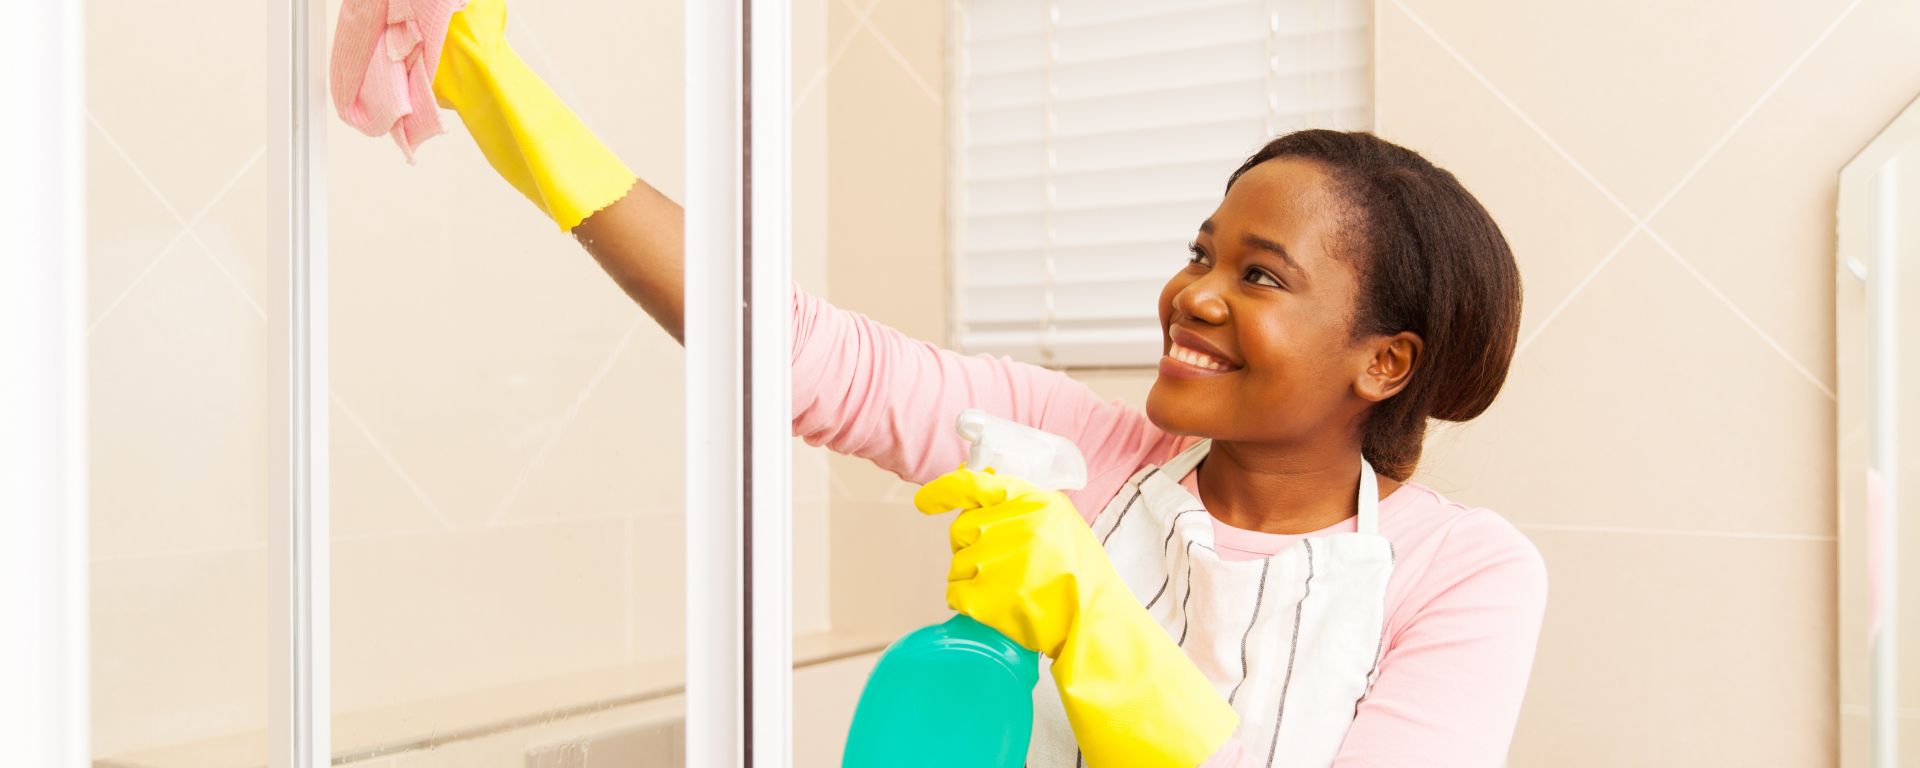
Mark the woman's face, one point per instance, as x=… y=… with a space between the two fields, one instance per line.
x=1266 y=300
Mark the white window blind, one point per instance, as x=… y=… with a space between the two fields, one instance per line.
x=1091 y=138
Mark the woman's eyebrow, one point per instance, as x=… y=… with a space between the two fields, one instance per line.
x=1256 y=241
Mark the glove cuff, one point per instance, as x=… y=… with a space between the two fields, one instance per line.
x=1159 y=710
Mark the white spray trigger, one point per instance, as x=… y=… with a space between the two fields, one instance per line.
x=1042 y=458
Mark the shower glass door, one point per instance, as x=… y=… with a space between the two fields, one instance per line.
x=508 y=524
x=186 y=208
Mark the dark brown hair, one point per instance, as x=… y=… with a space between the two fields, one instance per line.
x=1430 y=260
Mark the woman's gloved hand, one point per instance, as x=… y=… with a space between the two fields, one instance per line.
x=1026 y=564
x=528 y=135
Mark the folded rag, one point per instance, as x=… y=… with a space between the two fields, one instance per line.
x=384 y=56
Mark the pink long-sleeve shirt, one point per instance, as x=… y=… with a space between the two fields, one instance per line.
x=1463 y=605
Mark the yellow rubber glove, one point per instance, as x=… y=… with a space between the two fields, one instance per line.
x=1026 y=564
x=526 y=132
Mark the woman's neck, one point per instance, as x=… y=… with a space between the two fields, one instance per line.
x=1282 y=489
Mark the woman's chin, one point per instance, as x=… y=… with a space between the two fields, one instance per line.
x=1171 y=411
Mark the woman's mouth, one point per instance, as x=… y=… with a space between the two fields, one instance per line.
x=1187 y=363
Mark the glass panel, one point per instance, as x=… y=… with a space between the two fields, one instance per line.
x=187 y=211
x=870 y=191
x=507 y=472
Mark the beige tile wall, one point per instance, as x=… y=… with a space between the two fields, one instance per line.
x=185 y=195
x=886 y=245
x=1666 y=173
x=1667 y=434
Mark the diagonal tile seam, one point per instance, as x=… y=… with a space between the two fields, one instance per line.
x=1641 y=223
x=1501 y=96
x=898 y=57
x=1735 y=308
x=1567 y=299
x=566 y=420
x=187 y=230
x=393 y=462
x=562 y=84
x=813 y=83
x=186 y=225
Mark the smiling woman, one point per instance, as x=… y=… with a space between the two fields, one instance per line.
x=1344 y=256
x=1344 y=291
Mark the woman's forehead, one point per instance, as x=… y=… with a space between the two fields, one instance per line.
x=1287 y=200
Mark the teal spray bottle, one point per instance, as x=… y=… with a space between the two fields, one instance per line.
x=959 y=694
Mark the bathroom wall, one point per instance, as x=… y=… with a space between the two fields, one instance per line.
x=1666 y=174
x=884 y=91
x=507 y=475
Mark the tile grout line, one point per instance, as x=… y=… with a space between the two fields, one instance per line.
x=1755 y=327
x=392 y=533
x=1567 y=300
x=137 y=170
x=840 y=50
x=1741 y=122
x=1642 y=223
x=126 y=292
x=393 y=463
x=569 y=95
x=186 y=225
x=566 y=420
x=1502 y=97
x=1562 y=528
x=901 y=59
x=187 y=229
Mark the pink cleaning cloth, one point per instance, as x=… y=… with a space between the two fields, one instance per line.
x=384 y=56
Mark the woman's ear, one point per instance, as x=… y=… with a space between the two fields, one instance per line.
x=1390 y=367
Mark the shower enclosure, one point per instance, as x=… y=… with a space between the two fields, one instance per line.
x=383 y=470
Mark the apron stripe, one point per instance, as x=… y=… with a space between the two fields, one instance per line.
x=1293 y=649
x=1172 y=528
x=1185 y=623
x=1163 y=590
x=1137 y=490
x=1258 y=597
x=1347 y=612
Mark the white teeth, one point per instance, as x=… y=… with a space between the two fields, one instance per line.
x=1196 y=358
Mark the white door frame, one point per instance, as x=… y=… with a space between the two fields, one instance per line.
x=299 y=573
x=739 y=491
x=43 y=387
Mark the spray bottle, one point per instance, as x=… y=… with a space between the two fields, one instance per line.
x=959 y=694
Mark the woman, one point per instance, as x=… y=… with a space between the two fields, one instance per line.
x=1261 y=584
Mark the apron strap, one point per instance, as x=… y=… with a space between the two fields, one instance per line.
x=1369 y=500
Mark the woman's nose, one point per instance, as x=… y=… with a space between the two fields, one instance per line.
x=1202 y=301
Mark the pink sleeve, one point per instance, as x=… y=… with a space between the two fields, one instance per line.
x=1451 y=681
x=868 y=390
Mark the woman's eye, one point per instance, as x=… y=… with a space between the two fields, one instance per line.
x=1257 y=275
x=1196 y=256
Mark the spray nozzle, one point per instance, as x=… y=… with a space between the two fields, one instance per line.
x=1042 y=458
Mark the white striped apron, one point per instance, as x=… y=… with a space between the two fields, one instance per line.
x=1292 y=641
